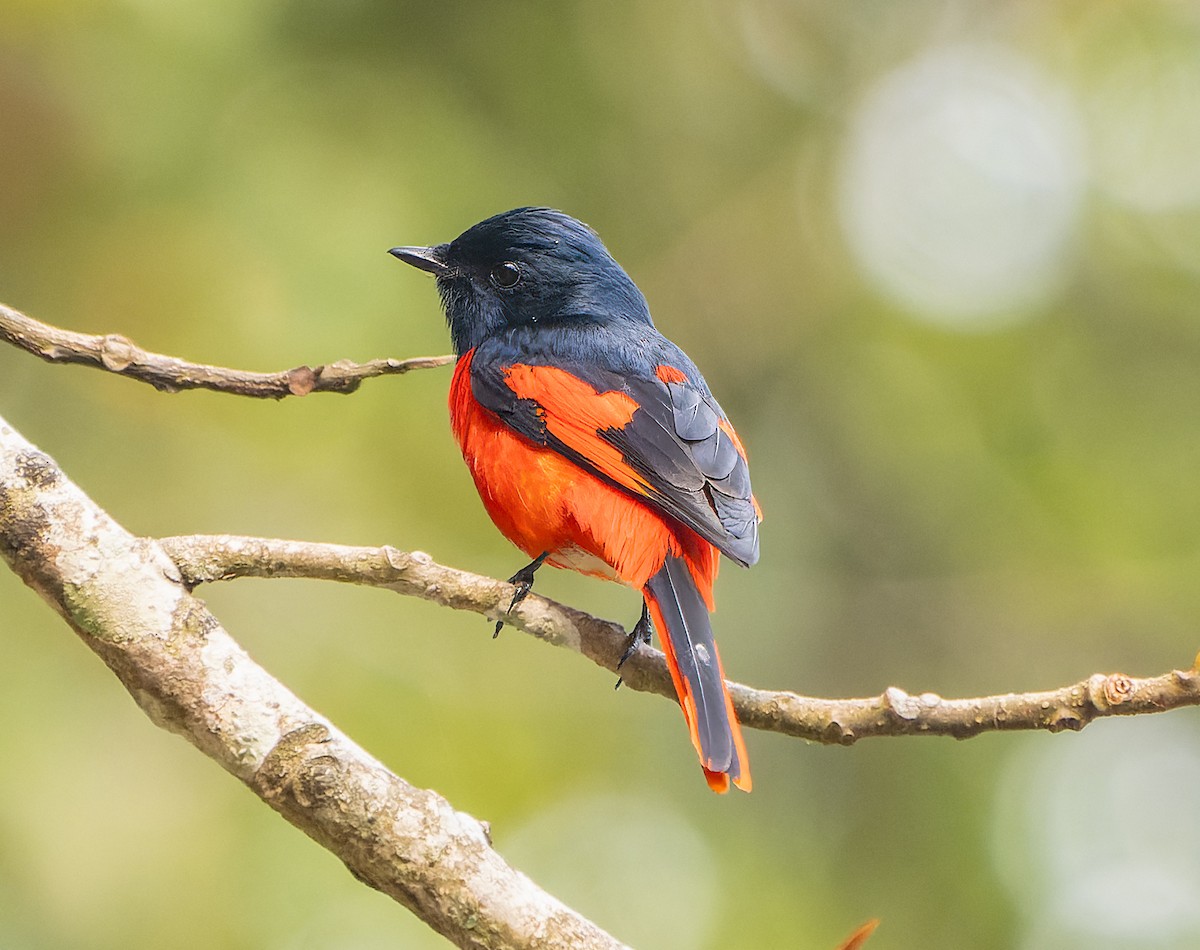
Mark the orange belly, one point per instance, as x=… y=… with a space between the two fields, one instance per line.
x=543 y=502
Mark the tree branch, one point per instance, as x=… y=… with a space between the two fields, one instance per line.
x=122 y=356
x=204 y=559
x=843 y=721
x=126 y=599
x=130 y=600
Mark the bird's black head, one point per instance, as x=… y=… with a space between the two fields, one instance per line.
x=527 y=266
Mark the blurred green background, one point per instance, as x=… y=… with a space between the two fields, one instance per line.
x=939 y=260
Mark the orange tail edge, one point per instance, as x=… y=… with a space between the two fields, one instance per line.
x=718 y=781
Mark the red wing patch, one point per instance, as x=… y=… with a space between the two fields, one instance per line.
x=570 y=395
x=669 y=374
x=575 y=414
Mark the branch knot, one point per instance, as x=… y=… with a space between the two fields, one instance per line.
x=116 y=352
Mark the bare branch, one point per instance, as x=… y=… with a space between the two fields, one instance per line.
x=116 y=354
x=207 y=558
x=841 y=721
x=128 y=602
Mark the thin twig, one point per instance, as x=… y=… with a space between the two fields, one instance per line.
x=204 y=559
x=122 y=356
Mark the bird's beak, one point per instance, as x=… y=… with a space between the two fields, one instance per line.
x=432 y=259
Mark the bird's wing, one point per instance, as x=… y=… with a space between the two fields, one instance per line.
x=660 y=438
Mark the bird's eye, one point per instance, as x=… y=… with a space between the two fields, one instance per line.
x=505 y=275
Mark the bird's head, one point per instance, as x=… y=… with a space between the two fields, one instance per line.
x=529 y=266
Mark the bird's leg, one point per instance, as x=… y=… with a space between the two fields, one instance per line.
x=639 y=634
x=523 y=581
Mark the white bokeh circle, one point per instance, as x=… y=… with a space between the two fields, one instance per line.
x=961 y=184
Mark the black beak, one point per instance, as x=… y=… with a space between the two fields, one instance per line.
x=432 y=259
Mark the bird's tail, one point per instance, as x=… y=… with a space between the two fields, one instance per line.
x=680 y=614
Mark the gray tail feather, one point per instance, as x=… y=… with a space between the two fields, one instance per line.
x=688 y=627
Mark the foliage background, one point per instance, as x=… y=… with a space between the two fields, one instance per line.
x=940 y=261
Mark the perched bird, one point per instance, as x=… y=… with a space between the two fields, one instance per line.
x=595 y=443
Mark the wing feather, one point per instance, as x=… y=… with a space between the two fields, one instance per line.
x=667 y=443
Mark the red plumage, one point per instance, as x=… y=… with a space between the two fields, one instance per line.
x=543 y=502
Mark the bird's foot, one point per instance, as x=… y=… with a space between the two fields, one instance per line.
x=638 y=635
x=523 y=581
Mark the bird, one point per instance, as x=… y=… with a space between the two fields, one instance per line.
x=595 y=443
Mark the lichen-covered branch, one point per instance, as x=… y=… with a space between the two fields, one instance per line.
x=116 y=354
x=128 y=601
x=843 y=721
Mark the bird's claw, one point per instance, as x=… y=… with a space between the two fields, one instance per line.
x=523 y=582
x=638 y=635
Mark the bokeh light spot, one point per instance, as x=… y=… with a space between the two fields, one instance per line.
x=1098 y=837
x=961 y=185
